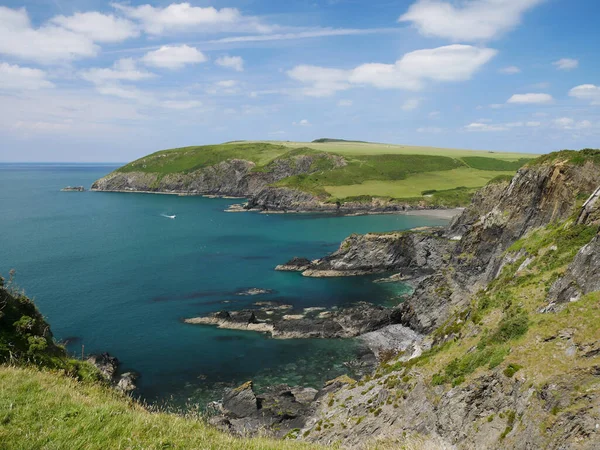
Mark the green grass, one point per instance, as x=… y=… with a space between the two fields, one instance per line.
x=45 y=410
x=416 y=184
x=481 y=163
x=189 y=159
x=351 y=148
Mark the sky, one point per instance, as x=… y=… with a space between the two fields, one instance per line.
x=92 y=81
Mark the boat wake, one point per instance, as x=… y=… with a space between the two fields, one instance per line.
x=168 y=217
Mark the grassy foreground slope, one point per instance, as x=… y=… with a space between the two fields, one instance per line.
x=370 y=170
x=40 y=409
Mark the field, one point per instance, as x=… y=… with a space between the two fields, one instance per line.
x=372 y=170
x=40 y=409
x=415 y=185
x=367 y=148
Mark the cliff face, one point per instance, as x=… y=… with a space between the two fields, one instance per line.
x=414 y=253
x=234 y=177
x=500 y=215
x=513 y=322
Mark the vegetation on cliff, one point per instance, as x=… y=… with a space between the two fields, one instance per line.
x=339 y=171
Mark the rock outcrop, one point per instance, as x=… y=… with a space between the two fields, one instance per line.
x=278 y=410
x=282 y=322
x=414 y=253
x=108 y=366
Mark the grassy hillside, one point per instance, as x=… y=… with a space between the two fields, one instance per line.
x=513 y=334
x=372 y=170
x=44 y=410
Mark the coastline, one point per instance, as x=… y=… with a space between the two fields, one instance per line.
x=440 y=213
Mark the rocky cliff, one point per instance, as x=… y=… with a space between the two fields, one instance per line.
x=509 y=299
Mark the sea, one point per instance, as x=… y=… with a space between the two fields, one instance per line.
x=112 y=272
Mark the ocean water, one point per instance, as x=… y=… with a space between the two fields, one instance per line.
x=110 y=272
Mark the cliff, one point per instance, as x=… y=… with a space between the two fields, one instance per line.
x=280 y=178
x=511 y=356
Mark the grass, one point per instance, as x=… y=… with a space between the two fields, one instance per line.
x=189 y=159
x=45 y=410
x=351 y=148
x=415 y=185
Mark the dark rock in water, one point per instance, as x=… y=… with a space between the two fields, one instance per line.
x=295 y=265
x=73 y=189
x=106 y=364
x=277 y=320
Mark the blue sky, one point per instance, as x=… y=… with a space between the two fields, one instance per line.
x=89 y=80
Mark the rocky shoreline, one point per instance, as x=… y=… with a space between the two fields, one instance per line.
x=282 y=321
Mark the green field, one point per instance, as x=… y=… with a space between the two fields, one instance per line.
x=367 y=148
x=371 y=170
x=415 y=185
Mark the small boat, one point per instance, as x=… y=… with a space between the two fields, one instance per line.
x=168 y=217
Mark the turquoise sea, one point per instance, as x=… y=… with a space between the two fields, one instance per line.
x=111 y=273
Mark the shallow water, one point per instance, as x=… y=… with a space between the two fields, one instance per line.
x=112 y=273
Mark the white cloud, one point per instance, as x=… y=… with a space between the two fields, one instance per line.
x=323 y=81
x=123 y=69
x=325 y=32
x=566 y=123
x=125 y=92
x=47 y=44
x=431 y=130
x=587 y=92
x=434 y=114
x=276 y=133
x=411 y=72
x=566 y=64
x=530 y=99
x=226 y=87
x=13 y=77
x=50 y=111
x=497 y=105
x=231 y=62
x=181 y=104
x=185 y=17
x=345 y=103
x=472 y=20
x=173 y=57
x=302 y=123
x=411 y=104
x=510 y=70
x=484 y=127
x=533 y=124
x=98 y=27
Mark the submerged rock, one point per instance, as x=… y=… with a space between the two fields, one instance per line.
x=254 y=291
x=73 y=189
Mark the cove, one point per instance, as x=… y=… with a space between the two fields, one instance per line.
x=111 y=272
